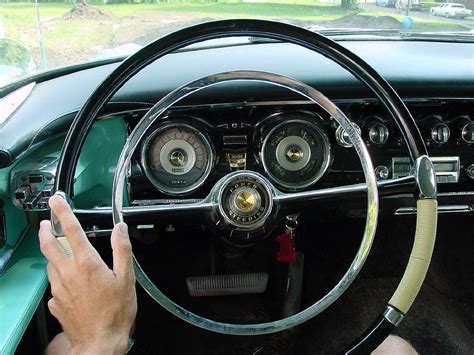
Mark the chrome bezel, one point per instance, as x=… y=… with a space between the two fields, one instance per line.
x=321 y=171
x=372 y=126
x=339 y=135
x=152 y=178
x=463 y=130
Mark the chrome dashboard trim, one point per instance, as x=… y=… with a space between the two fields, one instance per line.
x=442 y=209
x=244 y=104
x=441 y=176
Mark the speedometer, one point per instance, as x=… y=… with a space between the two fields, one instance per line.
x=177 y=158
x=295 y=154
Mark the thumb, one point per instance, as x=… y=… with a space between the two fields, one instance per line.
x=121 y=251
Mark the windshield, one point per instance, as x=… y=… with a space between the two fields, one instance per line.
x=62 y=33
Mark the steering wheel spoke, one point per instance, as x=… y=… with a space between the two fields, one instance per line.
x=388 y=187
x=175 y=211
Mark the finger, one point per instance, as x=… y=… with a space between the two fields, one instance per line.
x=70 y=225
x=54 y=309
x=54 y=279
x=121 y=251
x=49 y=245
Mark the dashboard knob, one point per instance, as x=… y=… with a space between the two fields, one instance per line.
x=382 y=172
x=467 y=133
x=378 y=133
x=436 y=130
x=342 y=137
x=464 y=127
x=440 y=133
x=470 y=171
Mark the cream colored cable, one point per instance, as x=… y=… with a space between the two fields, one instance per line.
x=420 y=257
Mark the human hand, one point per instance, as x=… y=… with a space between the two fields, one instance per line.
x=95 y=305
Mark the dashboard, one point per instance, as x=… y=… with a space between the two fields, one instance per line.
x=296 y=145
x=292 y=142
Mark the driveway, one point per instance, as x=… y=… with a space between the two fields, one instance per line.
x=468 y=22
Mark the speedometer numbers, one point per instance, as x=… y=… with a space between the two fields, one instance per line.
x=177 y=158
x=295 y=154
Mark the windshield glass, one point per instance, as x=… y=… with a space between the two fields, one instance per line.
x=63 y=33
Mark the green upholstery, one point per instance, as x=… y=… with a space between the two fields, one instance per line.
x=22 y=286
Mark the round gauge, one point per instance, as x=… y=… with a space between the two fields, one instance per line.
x=177 y=158
x=295 y=154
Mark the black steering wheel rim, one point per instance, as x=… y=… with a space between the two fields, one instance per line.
x=219 y=29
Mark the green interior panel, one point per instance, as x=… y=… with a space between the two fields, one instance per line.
x=96 y=166
x=24 y=280
x=22 y=286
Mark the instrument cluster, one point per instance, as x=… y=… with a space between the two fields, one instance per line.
x=297 y=148
x=183 y=154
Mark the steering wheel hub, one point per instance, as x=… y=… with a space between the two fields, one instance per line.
x=245 y=200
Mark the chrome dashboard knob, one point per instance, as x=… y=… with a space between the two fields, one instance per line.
x=464 y=127
x=467 y=133
x=382 y=172
x=470 y=171
x=436 y=130
x=378 y=133
x=342 y=137
x=440 y=133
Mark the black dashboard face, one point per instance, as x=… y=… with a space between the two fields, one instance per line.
x=296 y=145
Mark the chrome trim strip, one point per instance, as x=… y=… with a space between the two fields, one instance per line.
x=95 y=233
x=242 y=104
x=456 y=193
x=393 y=315
x=441 y=209
x=189 y=208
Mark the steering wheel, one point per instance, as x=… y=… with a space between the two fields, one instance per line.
x=422 y=181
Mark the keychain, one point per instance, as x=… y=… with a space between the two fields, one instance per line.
x=287 y=253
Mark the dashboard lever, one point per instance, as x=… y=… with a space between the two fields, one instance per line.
x=56 y=225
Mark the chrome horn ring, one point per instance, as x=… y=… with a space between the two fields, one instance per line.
x=372 y=199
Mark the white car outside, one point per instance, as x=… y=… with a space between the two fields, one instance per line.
x=451 y=10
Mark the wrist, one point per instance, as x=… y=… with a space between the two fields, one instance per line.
x=104 y=346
